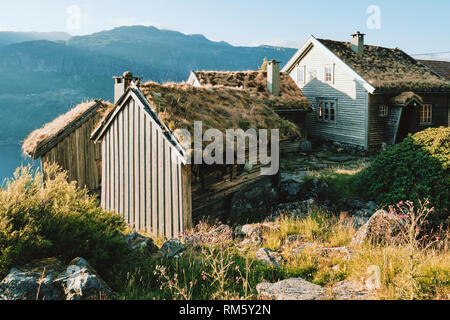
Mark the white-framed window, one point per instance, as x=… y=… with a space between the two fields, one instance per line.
x=326 y=110
x=301 y=74
x=329 y=73
x=426 y=114
x=383 y=111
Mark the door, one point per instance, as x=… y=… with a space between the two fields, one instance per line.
x=405 y=125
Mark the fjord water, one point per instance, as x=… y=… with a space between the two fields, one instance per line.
x=11 y=157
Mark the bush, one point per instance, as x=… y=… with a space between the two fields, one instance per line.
x=416 y=168
x=55 y=219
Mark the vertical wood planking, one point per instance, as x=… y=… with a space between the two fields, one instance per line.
x=121 y=209
x=104 y=186
x=136 y=177
x=131 y=161
x=160 y=188
x=174 y=194
x=154 y=160
x=148 y=175
x=143 y=168
x=126 y=165
x=117 y=181
x=167 y=189
x=112 y=165
x=107 y=173
x=180 y=198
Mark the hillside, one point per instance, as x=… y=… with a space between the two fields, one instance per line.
x=45 y=78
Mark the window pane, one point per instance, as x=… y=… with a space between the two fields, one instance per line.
x=332 y=114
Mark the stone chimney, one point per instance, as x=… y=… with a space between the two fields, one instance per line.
x=273 y=77
x=357 y=43
x=121 y=85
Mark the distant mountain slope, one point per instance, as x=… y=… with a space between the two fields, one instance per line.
x=9 y=37
x=43 y=79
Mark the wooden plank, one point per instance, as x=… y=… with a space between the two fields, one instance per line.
x=142 y=168
x=126 y=165
x=112 y=167
x=103 y=197
x=107 y=172
x=160 y=189
x=174 y=194
x=187 y=196
x=167 y=190
x=136 y=176
x=148 y=175
x=131 y=163
x=180 y=199
x=121 y=163
x=117 y=181
x=154 y=161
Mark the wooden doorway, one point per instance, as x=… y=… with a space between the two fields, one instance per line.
x=406 y=124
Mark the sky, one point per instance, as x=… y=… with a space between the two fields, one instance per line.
x=412 y=25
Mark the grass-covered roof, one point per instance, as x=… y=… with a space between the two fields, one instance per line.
x=255 y=83
x=388 y=69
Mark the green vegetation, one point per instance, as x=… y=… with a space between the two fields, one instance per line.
x=416 y=168
x=55 y=220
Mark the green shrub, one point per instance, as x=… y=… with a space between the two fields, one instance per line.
x=55 y=219
x=416 y=168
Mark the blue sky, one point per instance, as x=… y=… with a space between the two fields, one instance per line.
x=414 y=26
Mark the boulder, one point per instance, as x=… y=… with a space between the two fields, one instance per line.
x=351 y=290
x=290 y=289
x=249 y=234
x=138 y=242
x=268 y=257
x=81 y=282
x=382 y=227
x=172 y=248
x=48 y=279
x=33 y=282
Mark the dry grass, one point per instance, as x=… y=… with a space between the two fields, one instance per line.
x=255 y=83
x=222 y=108
x=405 y=98
x=52 y=129
x=388 y=69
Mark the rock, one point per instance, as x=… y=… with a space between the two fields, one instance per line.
x=353 y=204
x=298 y=251
x=381 y=228
x=305 y=146
x=80 y=282
x=171 y=248
x=138 y=242
x=341 y=251
x=292 y=239
x=48 y=280
x=314 y=188
x=351 y=290
x=372 y=206
x=249 y=233
x=33 y=282
x=267 y=256
x=290 y=289
x=358 y=221
x=219 y=234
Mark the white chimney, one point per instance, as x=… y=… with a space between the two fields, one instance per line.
x=357 y=43
x=273 y=77
x=121 y=85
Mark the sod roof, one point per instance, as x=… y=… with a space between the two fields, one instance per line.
x=388 y=69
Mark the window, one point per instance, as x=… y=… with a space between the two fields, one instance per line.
x=326 y=110
x=301 y=72
x=329 y=73
x=383 y=111
x=426 y=114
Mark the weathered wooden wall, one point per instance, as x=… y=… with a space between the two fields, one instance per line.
x=79 y=156
x=351 y=114
x=143 y=178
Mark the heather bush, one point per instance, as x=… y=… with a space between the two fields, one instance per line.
x=417 y=168
x=55 y=219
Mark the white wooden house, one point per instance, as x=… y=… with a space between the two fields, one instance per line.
x=357 y=92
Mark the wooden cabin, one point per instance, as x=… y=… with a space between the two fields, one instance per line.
x=365 y=95
x=146 y=177
x=65 y=141
x=290 y=103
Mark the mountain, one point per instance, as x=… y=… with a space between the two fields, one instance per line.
x=9 y=37
x=42 y=78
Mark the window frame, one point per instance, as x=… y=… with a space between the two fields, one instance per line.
x=326 y=108
x=383 y=110
x=302 y=68
x=426 y=114
x=331 y=67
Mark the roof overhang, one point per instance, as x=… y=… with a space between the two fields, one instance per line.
x=405 y=99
